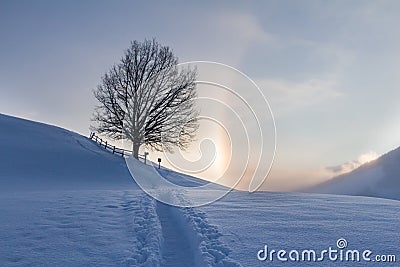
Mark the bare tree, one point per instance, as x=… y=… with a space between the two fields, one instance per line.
x=147 y=99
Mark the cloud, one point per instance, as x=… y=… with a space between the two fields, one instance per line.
x=286 y=96
x=336 y=57
x=228 y=37
x=242 y=27
x=351 y=165
x=284 y=179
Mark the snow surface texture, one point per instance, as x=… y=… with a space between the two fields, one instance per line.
x=98 y=228
x=36 y=156
x=66 y=202
x=248 y=221
x=379 y=178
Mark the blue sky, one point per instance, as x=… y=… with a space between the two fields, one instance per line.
x=330 y=69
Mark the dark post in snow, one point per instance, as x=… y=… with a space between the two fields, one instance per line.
x=145 y=157
x=159 y=162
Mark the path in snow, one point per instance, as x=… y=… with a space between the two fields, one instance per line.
x=70 y=202
x=176 y=249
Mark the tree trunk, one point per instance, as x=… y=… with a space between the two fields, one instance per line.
x=135 y=150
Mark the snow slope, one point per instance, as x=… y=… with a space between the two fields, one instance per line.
x=70 y=203
x=379 y=178
x=37 y=156
x=65 y=201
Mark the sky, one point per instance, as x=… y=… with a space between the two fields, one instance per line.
x=329 y=69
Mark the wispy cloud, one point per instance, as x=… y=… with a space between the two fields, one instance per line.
x=288 y=96
x=243 y=28
x=229 y=37
x=351 y=165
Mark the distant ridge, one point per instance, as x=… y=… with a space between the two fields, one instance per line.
x=378 y=178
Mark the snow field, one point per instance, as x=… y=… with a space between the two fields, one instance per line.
x=103 y=228
x=75 y=228
x=65 y=201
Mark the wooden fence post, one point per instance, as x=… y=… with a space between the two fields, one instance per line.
x=115 y=150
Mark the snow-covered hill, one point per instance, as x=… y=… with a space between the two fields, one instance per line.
x=37 y=156
x=378 y=178
x=64 y=201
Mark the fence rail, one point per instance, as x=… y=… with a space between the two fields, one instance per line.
x=121 y=151
x=111 y=148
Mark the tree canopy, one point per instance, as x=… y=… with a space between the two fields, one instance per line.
x=147 y=99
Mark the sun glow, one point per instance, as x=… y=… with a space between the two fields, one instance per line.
x=367 y=157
